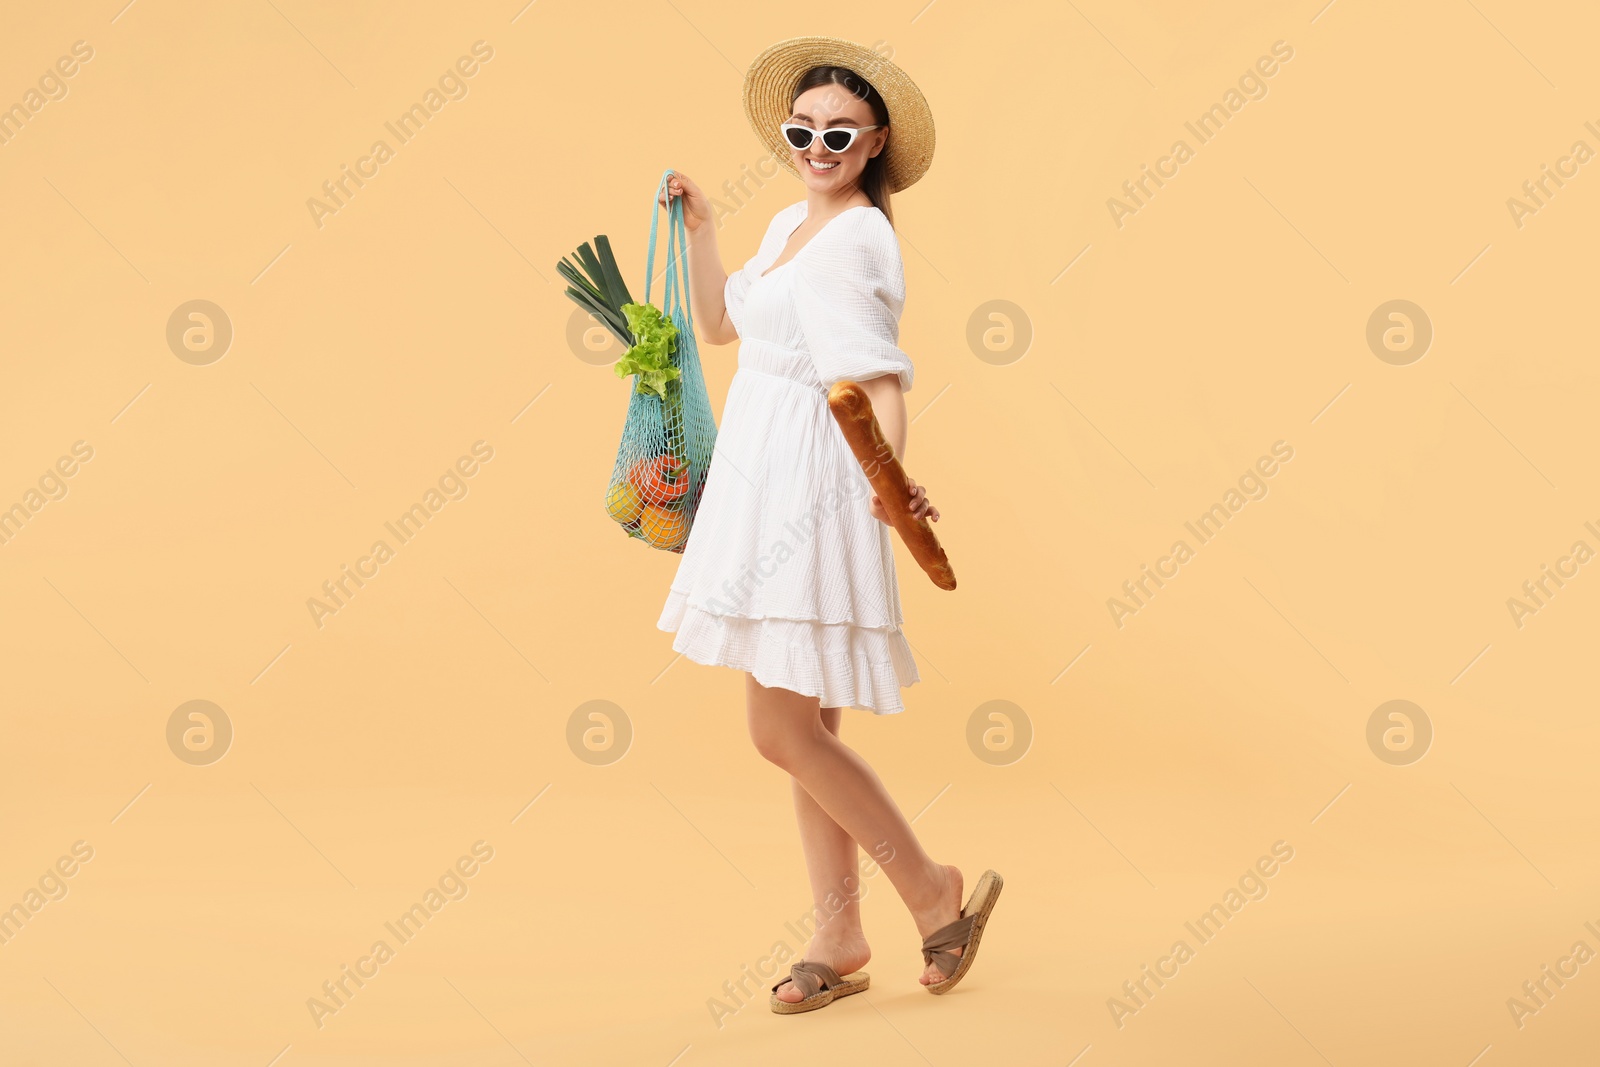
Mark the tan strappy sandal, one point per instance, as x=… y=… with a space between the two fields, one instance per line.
x=820 y=984
x=964 y=933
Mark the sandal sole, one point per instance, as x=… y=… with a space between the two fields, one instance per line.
x=853 y=983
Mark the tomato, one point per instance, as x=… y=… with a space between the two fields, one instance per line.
x=661 y=480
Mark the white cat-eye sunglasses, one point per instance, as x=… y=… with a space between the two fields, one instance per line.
x=834 y=138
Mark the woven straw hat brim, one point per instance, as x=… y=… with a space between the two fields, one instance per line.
x=770 y=81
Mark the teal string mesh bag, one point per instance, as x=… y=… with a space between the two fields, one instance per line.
x=668 y=433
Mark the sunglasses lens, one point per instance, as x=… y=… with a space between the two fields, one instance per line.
x=838 y=140
x=798 y=136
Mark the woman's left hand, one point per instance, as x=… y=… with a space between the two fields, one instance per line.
x=920 y=508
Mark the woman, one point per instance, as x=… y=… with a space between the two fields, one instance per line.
x=785 y=575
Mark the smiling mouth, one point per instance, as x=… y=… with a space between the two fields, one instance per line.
x=821 y=167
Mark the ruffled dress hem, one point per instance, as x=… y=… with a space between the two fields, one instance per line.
x=841 y=664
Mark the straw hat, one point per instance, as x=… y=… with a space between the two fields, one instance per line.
x=769 y=86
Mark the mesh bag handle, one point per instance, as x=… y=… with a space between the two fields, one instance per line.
x=674 y=298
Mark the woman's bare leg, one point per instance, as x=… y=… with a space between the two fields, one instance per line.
x=789 y=729
x=831 y=861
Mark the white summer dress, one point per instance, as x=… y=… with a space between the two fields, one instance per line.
x=786 y=574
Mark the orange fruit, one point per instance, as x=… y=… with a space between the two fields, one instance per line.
x=663 y=527
x=623 y=503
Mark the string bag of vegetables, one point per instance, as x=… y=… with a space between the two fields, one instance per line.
x=668 y=433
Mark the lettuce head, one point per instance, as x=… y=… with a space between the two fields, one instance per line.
x=655 y=339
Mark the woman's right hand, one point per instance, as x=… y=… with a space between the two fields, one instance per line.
x=920 y=507
x=696 y=208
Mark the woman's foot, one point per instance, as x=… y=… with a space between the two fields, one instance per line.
x=945 y=910
x=846 y=954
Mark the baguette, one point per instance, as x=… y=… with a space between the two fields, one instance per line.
x=852 y=410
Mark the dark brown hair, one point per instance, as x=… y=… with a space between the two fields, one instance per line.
x=875 y=176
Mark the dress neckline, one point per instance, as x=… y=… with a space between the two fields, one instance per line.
x=806 y=213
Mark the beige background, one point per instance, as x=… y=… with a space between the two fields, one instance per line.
x=431 y=711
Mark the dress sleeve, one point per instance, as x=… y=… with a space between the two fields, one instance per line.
x=733 y=294
x=849 y=297
x=737 y=287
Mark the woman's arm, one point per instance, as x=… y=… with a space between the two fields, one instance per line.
x=707 y=279
x=889 y=408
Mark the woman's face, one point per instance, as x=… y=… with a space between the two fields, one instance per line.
x=834 y=105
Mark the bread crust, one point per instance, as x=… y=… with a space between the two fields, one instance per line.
x=852 y=410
